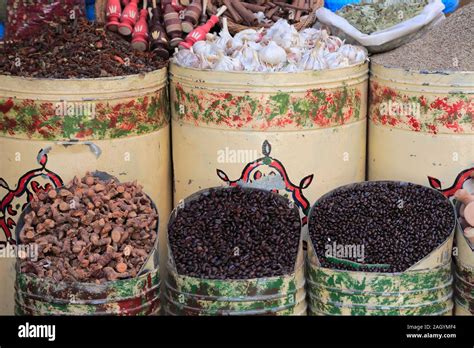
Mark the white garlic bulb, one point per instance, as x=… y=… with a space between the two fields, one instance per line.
x=336 y=60
x=187 y=58
x=249 y=35
x=281 y=48
x=333 y=43
x=272 y=54
x=353 y=53
x=294 y=54
x=284 y=34
x=312 y=61
x=224 y=36
x=204 y=48
x=226 y=63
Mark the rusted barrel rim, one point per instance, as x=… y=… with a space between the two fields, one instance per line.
x=371 y=307
x=317 y=287
x=200 y=297
x=152 y=256
x=171 y=313
x=462 y=279
x=231 y=79
x=374 y=274
x=298 y=295
x=463 y=305
x=299 y=268
x=73 y=301
x=461 y=293
x=460 y=264
x=235 y=299
x=231 y=313
x=319 y=313
x=197 y=195
x=442 y=77
x=155 y=302
x=155 y=79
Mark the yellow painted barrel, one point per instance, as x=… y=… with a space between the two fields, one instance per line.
x=270 y=296
x=300 y=134
x=426 y=288
x=463 y=275
x=52 y=130
x=421 y=127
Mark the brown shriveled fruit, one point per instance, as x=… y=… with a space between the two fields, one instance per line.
x=90 y=240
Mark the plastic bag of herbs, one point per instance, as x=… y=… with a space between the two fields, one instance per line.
x=383 y=25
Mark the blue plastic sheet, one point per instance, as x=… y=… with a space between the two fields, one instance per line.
x=451 y=5
x=334 y=5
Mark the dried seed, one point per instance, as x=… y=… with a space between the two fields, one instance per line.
x=121 y=267
x=235 y=234
x=384 y=223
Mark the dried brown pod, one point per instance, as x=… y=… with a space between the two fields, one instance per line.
x=81 y=236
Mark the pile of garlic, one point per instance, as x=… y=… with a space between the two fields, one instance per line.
x=280 y=49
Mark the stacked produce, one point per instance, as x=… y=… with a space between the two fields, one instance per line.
x=75 y=50
x=447 y=47
x=397 y=225
x=235 y=234
x=280 y=48
x=370 y=17
x=91 y=230
x=466 y=212
x=266 y=13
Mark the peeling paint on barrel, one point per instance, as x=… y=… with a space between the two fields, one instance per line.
x=191 y=296
x=136 y=296
x=424 y=289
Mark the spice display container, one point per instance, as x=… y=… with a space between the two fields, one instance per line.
x=193 y=296
x=431 y=140
x=423 y=289
x=60 y=128
x=128 y=296
x=463 y=274
x=302 y=134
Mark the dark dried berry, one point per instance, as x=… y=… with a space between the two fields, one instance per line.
x=235 y=233
x=384 y=223
x=72 y=52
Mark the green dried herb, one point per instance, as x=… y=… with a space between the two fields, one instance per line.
x=372 y=16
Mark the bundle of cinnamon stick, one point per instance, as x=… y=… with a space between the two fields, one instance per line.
x=264 y=13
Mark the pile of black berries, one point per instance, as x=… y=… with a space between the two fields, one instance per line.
x=235 y=233
x=393 y=223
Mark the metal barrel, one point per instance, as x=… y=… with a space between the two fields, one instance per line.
x=128 y=297
x=463 y=274
x=421 y=127
x=424 y=289
x=191 y=296
x=255 y=129
x=52 y=130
